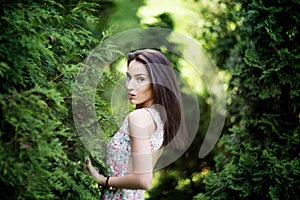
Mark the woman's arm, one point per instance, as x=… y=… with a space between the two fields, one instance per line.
x=139 y=173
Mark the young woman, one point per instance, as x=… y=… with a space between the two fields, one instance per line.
x=157 y=119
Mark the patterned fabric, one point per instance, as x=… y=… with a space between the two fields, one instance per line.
x=118 y=154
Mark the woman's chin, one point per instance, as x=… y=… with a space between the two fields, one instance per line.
x=133 y=102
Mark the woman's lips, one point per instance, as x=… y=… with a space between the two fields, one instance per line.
x=130 y=95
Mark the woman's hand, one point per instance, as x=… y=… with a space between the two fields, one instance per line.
x=94 y=173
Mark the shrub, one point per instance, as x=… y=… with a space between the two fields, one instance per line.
x=42 y=46
x=259 y=151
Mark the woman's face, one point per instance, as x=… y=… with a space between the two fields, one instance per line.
x=139 y=85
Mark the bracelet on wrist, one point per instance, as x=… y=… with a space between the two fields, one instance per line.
x=106 y=182
x=106 y=186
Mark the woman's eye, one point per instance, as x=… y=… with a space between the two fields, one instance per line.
x=141 y=79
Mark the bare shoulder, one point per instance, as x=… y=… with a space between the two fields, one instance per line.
x=140 y=116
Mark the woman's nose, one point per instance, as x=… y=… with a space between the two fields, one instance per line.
x=130 y=84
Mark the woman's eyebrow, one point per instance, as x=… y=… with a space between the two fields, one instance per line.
x=140 y=74
x=137 y=74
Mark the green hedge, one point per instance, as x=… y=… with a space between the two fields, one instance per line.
x=42 y=46
x=257 y=42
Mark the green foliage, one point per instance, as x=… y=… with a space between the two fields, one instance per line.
x=42 y=46
x=259 y=154
x=124 y=16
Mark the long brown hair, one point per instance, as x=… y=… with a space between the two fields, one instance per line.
x=166 y=94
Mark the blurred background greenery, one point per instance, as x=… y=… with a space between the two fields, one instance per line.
x=255 y=46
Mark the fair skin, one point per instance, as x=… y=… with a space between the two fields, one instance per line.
x=141 y=126
x=138 y=85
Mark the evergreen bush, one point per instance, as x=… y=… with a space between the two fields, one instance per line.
x=257 y=42
x=43 y=44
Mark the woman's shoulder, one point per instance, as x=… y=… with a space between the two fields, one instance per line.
x=140 y=116
x=140 y=123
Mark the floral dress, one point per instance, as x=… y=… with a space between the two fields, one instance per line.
x=118 y=154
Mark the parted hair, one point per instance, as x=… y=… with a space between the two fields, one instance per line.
x=166 y=94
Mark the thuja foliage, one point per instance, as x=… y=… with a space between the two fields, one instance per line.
x=43 y=44
x=257 y=42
